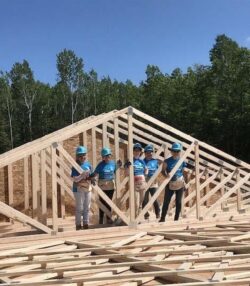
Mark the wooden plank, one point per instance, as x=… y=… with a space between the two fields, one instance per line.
x=93 y=141
x=105 y=140
x=61 y=188
x=197 y=180
x=54 y=188
x=43 y=188
x=26 y=183
x=238 y=192
x=111 y=204
x=132 y=206
x=83 y=139
x=35 y=186
x=10 y=185
x=117 y=157
x=160 y=274
x=16 y=215
x=128 y=240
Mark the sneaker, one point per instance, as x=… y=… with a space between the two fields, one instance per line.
x=78 y=227
x=109 y=221
x=85 y=226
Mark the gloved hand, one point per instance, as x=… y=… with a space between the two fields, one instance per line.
x=127 y=164
x=119 y=163
x=93 y=181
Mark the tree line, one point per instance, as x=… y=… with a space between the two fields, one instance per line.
x=211 y=103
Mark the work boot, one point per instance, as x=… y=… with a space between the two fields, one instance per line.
x=78 y=227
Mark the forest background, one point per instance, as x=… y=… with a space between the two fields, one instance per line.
x=208 y=102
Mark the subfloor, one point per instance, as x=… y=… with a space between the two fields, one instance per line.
x=187 y=252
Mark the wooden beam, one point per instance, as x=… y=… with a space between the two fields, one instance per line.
x=43 y=187
x=132 y=206
x=26 y=183
x=197 y=180
x=117 y=157
x=54 y=188
x=16 y=215
x=93 y=141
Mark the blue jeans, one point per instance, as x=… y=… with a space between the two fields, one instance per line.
x=82 y=200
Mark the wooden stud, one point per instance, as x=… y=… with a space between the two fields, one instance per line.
x=132 y=206
x=43 y=188
x=197 y=180
x=117 y=157
x=93 y=141
x=54 y=188
x=35 y=186
x=26 y=183
x=105 y=139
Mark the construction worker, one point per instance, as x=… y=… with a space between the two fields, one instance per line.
x=140 y=171
x=106 y=181
x=152 y=165
x=82 y=188
x=177 y=182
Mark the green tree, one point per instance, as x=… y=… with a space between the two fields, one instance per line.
x=8 y=103
x=70 y=72
x=24 y=92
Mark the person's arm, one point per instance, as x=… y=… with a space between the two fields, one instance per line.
x=185 y=171
x=164 y=169
x=145 y=169
x=82 y=177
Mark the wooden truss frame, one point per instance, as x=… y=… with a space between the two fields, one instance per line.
x=215 y=173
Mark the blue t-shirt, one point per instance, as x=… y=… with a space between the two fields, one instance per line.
x=86 y=166
x=171 y=162
x=152 y=166
x=106 y=171
x=139 y=167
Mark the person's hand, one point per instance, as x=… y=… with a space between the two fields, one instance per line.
x=119 y=163
x=93 y=181
x=127 y=164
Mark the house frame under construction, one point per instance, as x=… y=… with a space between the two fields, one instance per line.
x=210 y=245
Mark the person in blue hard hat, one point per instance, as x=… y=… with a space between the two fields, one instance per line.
x=82 y=188
x=140 y=171
x=152 y=165
x=177 y=183
x=105 y=171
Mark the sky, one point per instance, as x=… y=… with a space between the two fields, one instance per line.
x=118 y=38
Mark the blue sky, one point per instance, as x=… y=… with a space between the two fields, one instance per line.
x=118 y=38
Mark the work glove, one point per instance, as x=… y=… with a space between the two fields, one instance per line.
x=127 y=164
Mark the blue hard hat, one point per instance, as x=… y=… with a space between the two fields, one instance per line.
x=106 y=152
x=149 y=148
x=137 y=146
x=176 y=147
x=81 y=150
